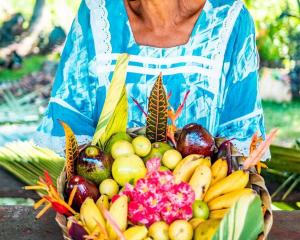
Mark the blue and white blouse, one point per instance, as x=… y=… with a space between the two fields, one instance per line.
x=219 y=65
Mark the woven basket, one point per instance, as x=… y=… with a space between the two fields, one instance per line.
x=256 y=181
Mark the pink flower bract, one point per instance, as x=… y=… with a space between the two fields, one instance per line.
x=157 y=197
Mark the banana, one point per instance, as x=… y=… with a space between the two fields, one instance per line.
x=188 y=158
x=118 y=211
x=206 y=230
x=90 y=215
x=218 y=214
x=200 y=181
x=195 y=222
x=235 y=181
x=136 y=233
x=219 y=170
x=186 y=171
x=103 y=200
x=227 y=200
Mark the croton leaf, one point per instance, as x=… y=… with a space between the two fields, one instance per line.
x=156 y=129
x=114 y=97
x=72 y=150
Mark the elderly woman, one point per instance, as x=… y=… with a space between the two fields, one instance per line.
x=205 y=47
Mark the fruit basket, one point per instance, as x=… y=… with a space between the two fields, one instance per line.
x=157 y=182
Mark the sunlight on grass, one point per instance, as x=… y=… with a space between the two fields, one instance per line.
x=286 y=117
x=30 y=64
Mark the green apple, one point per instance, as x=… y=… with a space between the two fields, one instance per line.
x=141 y=146
x=128 y=169
x=200 y=209
x=159 y=231
x=109 y=187
x=121 y=148
x=171 y=158
x=157 y=151
x=181 y=230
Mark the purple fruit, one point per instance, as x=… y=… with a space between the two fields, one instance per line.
x=75 y=230
x=195 y=139
x=85 y=188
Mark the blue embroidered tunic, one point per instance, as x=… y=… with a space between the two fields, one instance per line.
x=219 y=65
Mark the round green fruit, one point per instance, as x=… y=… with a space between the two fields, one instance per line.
x=141 y=146
x=181 y=230
x=109 y=187
x=121 y=148
x=128 y=169
x=200 y=209
x=117 y=137
x=171 y=158
x=159 y=231
x=163 y=168
x=157 y=151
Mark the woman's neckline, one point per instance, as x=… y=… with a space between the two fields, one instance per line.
x=164 y=48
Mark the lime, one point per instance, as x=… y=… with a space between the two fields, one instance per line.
x=121 y=148
x=141 y=146
x=109 y=187
x=171 y=158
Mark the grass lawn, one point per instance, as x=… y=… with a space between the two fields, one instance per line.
x=286 y=117
x=30 y=64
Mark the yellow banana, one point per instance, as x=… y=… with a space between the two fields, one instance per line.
x=188 y=158
x=90 y=215
x=104 y=201
x=218 y=214
x=195 y=222
x=235 y=181
x=227 y=200
x=200 y=181
x=118 y=211
x=136 y=233
x=219 y=170
x=206 y=230
x=186 y=171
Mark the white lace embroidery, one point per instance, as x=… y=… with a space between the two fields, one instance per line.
x=102 y=37
x=57 y=144
x=218 y=58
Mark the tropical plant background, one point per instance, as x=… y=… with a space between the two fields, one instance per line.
x=36 y=29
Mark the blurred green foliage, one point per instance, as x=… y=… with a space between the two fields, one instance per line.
x=278 y=30
x=286 y=117
x=31 y=64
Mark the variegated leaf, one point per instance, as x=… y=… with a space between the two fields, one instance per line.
x=72 y=150
x=156 y=129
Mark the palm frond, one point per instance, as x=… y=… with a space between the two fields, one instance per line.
x=27 y=161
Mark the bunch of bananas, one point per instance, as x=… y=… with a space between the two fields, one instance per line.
x=212 y=184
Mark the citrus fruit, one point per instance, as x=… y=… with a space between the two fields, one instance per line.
x=109 y=187
x=171 y=158
x=121 y=148
x=128 y=169
x=141 y=146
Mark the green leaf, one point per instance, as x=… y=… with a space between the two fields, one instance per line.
x=118 y=121
x=28 y=162
x=156 y=129
x=244 y=220
x=113 y=117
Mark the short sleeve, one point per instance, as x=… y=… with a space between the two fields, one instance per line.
x=71 y=97
x=242 y=115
